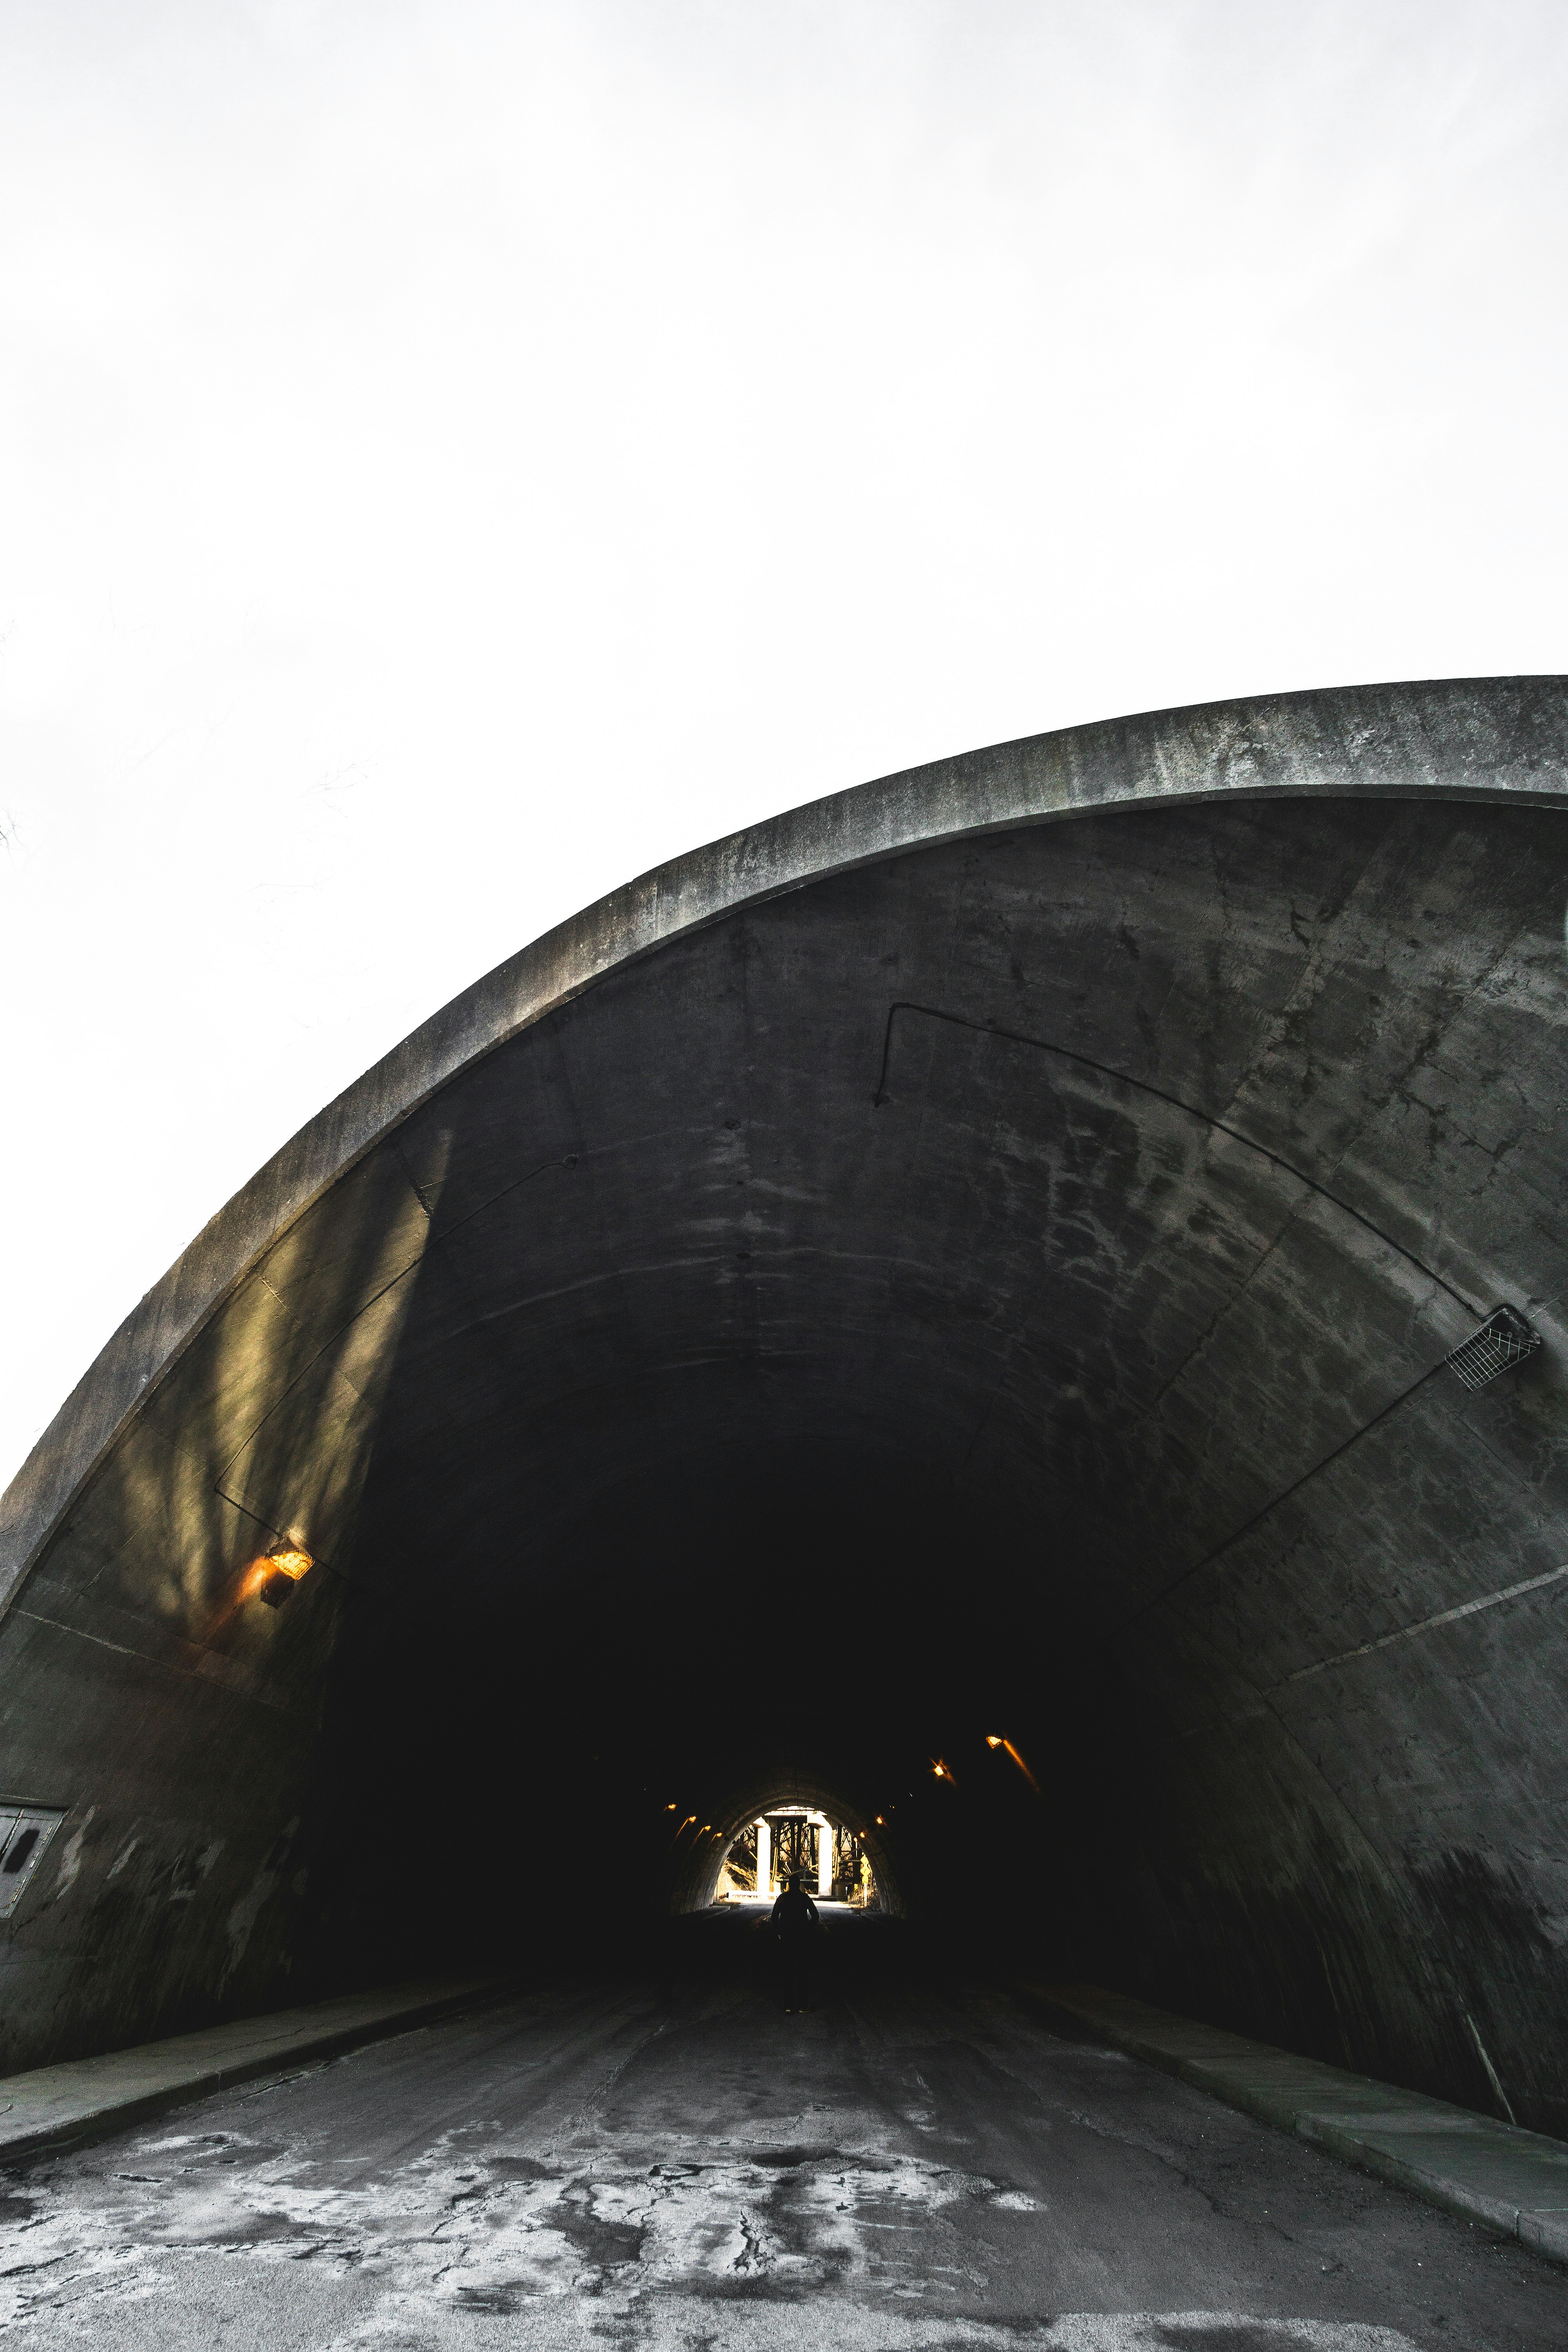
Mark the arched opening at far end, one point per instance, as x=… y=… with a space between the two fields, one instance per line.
x=792 y=1827
x=793 y=1842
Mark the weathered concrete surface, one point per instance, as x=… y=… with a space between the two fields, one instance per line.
x=916 y=2166
x=807 y=1315
x=1487 y=739
x=1515 y=2181
x=86 y=2097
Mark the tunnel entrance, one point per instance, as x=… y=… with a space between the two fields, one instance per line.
x=1039 y=1215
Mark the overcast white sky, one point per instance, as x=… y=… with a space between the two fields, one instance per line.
x=454 y=455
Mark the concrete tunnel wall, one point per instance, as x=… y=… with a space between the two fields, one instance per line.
x=981 y=1246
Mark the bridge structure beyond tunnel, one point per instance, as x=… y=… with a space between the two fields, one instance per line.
x=945 y=1310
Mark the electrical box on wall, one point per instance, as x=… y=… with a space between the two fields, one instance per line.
x=25 y=1833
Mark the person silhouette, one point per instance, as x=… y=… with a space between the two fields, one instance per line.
x=794 y=1923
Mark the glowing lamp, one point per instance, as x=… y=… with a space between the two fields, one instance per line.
x=279 y=1572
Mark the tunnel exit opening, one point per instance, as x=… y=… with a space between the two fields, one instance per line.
x=827 y=1857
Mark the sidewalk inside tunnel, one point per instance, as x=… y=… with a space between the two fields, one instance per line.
x=647 y=2153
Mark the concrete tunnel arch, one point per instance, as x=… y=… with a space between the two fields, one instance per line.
x=1024 y=1206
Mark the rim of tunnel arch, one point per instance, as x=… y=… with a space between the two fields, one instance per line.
x=1497 y=739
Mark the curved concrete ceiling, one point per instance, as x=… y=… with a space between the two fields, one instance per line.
x=1474 y=740
x=977 y=1254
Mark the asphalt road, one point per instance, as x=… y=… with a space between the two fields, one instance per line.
x=668 y=2162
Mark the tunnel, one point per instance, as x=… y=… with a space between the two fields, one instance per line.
x=1019 y=1306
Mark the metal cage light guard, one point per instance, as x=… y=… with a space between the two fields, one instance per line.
x=1504 y=1338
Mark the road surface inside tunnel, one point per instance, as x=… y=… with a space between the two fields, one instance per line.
x=661 y=2159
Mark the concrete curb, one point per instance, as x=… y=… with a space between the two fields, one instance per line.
x=1515 y=2181
x=87 y=2098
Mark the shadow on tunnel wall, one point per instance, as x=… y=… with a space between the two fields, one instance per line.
x=174 y=1720
x=1209 y=1875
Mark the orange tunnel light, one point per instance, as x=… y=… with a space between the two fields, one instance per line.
x=993 y=1741
x=274 y=1576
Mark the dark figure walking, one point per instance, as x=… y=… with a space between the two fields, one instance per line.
x=795 y=1926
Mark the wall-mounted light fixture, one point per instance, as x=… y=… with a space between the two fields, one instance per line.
x=1504 y=1338
x=275 y=1575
